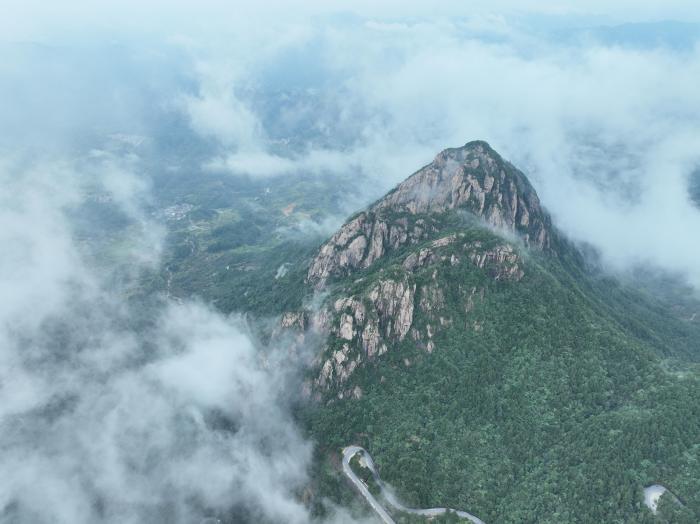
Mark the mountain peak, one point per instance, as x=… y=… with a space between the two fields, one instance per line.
x=474 y=145
x=473 y=178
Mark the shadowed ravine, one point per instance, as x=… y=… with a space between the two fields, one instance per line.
x=387 y=494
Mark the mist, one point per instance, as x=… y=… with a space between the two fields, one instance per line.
x=119 y=411
x=606 y=131
x=123 y=406
x=602 y=120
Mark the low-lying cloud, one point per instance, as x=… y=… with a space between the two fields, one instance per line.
x=605 y=131
x=116 y=410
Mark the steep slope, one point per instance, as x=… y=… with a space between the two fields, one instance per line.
x=471 y=351
x=472 y=178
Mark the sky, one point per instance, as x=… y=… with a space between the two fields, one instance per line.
x=597 y=104
x=33 y=19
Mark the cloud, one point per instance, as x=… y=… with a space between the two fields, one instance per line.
x=262 y=164
x=215 y=110
x=606 y=132
x=550 y=110
x=132 y=442
x=123 y=411
x=78 y=19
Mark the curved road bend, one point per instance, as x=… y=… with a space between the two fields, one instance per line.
x=350 y=452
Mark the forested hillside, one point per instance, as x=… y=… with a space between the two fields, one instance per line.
x=510 y=381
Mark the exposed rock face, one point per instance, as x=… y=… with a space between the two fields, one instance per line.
x=338 y=367
x=394 y=304
x=477 y=178
x=390 y=304
x=294 y=320
x=502 y=261
x=474 y=178
x=413 y=295
x=360 y=243
x=368 y=324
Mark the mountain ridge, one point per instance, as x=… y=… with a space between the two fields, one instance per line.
x=466 y=337
x=473 y=178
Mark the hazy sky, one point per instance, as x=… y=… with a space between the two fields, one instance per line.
x=34 y=19
x=605 y=119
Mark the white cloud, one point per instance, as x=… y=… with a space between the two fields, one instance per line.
x=217 y=112
x=99 y=421
x=395 y=85
x=178 y=419
x=605 y=132
x=80 y=19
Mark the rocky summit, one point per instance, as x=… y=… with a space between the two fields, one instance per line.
x=478 y=356
x=473 y=178
x=469 y=210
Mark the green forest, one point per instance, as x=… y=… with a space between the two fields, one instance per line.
x=556 y=399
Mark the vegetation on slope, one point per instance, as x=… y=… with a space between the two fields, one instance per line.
x=548 y=402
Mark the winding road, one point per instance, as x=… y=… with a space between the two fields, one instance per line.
x=349 y=452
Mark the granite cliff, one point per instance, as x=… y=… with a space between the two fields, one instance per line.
x=473 y=179
x=387 y=270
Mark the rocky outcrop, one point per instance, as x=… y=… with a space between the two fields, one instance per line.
x=361 y=242
x=294 y=320
x=390 y=304
x=476 y=178
x=415 y=296
x=473 y=178
x=393 y=302
x=338 y=367
x=501 y=262
x=363 y=327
